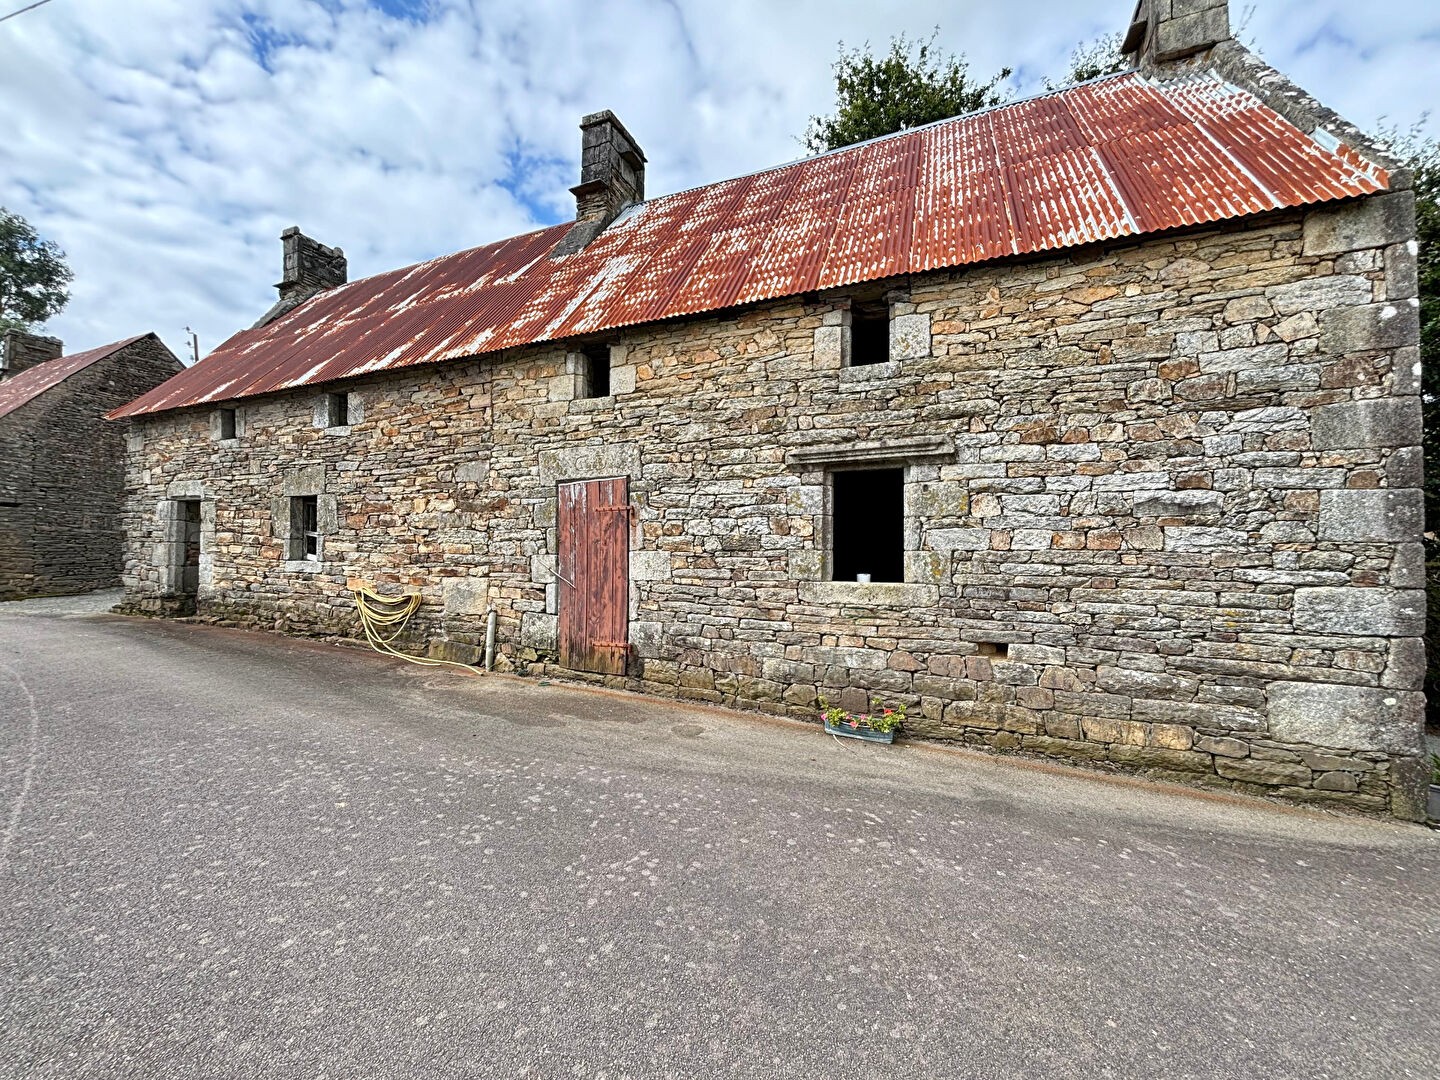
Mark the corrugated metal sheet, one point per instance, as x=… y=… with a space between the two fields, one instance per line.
x=34 y=381
x=1111 y=158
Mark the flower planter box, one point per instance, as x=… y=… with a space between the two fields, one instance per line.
x=861 y=732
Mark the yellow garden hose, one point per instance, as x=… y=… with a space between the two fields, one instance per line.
x=383 y=619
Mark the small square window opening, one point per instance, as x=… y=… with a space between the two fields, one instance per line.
x=337 y=410
x=305 y=528
x=869 y=336
x=595 y=376
x=227 y=423
x=867 y=523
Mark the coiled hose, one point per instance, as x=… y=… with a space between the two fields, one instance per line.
x=383 y=619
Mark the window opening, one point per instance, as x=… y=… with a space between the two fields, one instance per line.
x=997 y=649
x=337 y=408
x=869 y=335
x=867 y=524
x=227 y=423
x=305 y=528
x=597 y=371
x=188 y=513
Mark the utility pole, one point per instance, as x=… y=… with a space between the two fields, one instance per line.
x=194 y=344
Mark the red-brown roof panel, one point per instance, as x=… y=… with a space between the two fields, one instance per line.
x=788 y=261
x=873 y=233
x=1118 y=156
x=1115 y=108
x=1065 y=199
x=29 y=384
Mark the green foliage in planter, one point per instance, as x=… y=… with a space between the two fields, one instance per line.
x=882 y=719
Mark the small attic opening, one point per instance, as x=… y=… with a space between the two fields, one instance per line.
x=869 y=334
x=595 y=370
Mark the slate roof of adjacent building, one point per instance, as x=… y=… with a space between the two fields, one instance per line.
x=1119 y=156
x=34 y=381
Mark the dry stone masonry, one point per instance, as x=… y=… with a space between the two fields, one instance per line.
x=62 y=465
x=1161 y=504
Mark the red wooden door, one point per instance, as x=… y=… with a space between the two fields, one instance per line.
x=594 y=560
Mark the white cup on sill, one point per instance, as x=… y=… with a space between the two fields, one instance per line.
x=863 y=579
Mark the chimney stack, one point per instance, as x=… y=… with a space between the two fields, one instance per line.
x=1163 y=31
x=612 y=177
x=19 y=350
x=309 y=268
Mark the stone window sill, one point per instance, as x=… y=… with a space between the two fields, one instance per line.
x=872 y=594
x=304 y=566
x=870 y=372
x=592 y=404
x=227 y=444
x=340 y=429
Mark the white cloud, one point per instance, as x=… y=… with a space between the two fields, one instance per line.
x=165 y=145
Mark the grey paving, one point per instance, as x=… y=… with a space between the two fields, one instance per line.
x=234 y=855
x=88 y=603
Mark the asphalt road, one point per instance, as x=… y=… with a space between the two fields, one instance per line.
x=235 y=855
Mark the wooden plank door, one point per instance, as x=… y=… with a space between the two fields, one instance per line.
x=594 y=560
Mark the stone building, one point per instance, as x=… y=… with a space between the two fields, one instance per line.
x=1086 y=425
x=62 y=465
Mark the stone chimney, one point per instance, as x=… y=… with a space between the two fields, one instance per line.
x=19 y=350
x=612 y=177
x=309 y=268
x=1164 y=31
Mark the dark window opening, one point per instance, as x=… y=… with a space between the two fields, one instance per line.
x=305 y=528
x=997 y=649
x=337 y=410
x=869 y=336
x=868 y=525
x=227 y=423
x=188 y=513
x=7 y=505
x=596 y=373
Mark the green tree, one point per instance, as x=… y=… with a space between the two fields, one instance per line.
x=1090 y=60
x=912 y=84
x=34 y=279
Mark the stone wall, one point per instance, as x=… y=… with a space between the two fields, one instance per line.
x=1162 y=504
x=63 y=476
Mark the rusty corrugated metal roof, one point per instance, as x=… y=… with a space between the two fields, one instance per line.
x=1119 y=156
x=34 y=381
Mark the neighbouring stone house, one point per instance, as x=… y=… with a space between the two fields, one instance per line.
x=62 y=465
x=1111 y=394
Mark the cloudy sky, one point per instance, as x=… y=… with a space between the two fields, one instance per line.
x=164 y=144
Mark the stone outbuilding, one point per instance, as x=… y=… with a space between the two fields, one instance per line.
x=1086 y=425
x=62 y=464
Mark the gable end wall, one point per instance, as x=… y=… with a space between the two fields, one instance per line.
x=62 y=476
